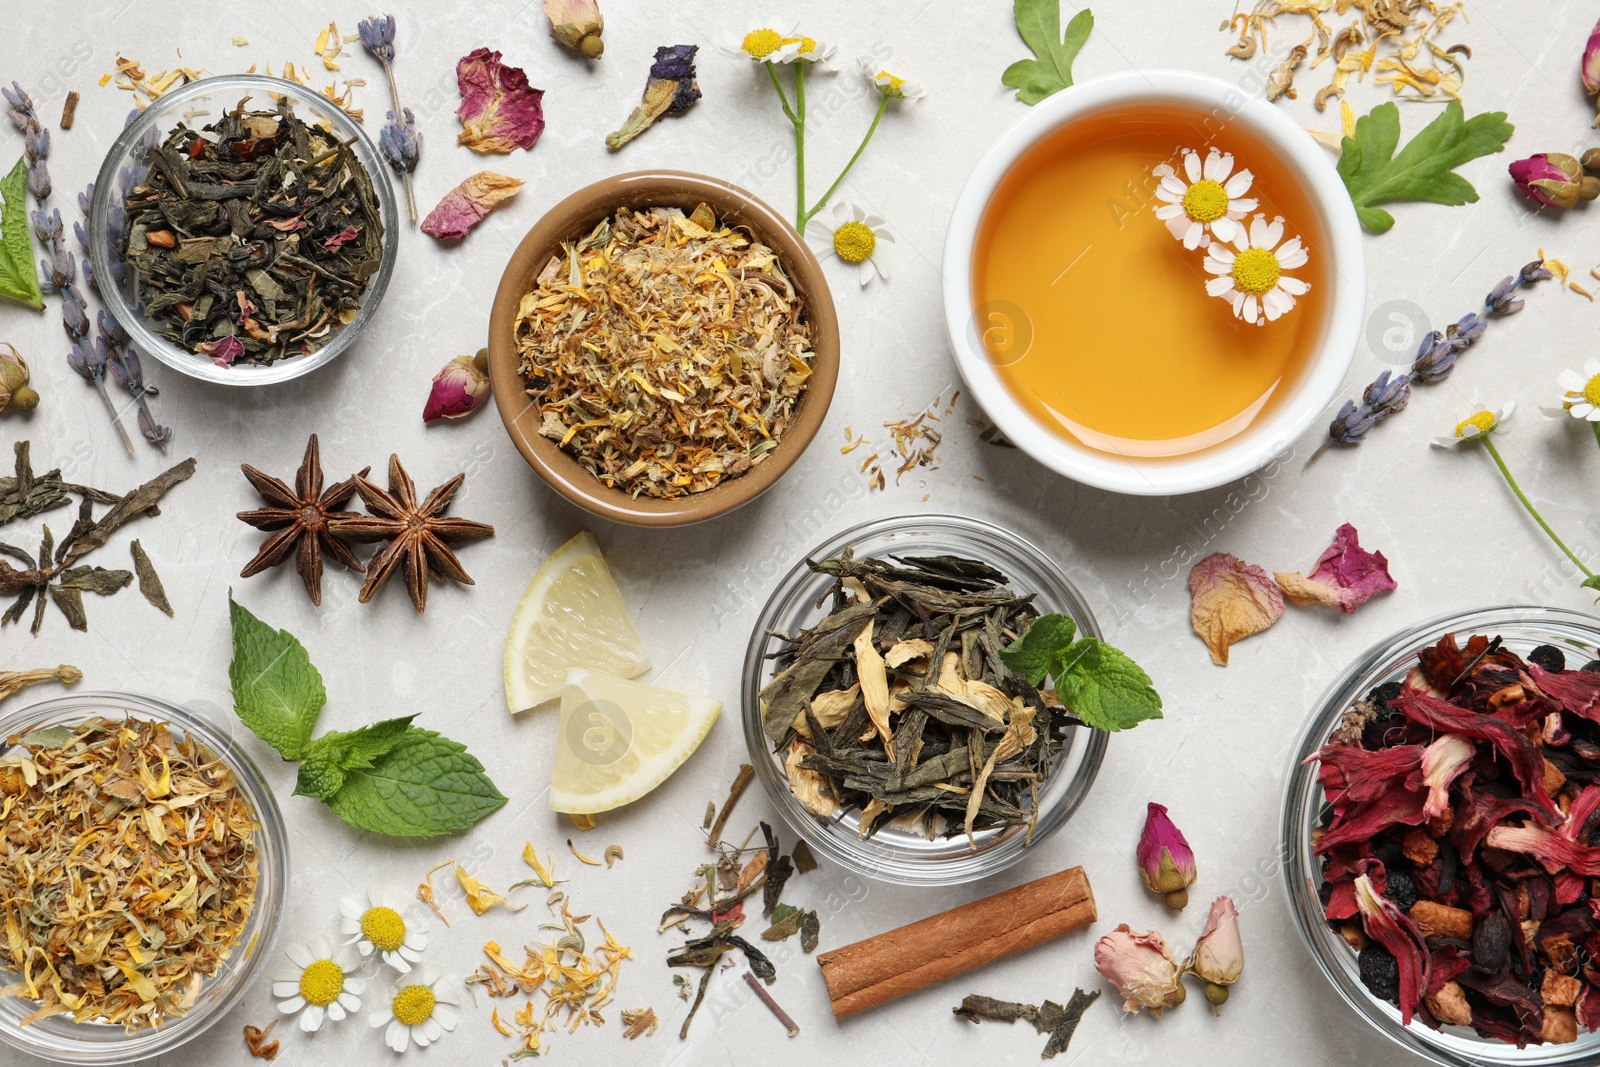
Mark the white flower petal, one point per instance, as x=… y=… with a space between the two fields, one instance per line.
x=1238 y=303
x=336 y=1012
x=311 y=1018
x=1288 y=248
x=292 y=1005
x=350 y=908
x=1252 y=309
x=1238 y=185
x=1277 y=303
x=1175 y=187
x=1582 y=408
x=1192 y=166
x=1224 y=228
x=1191 y=236
x=285 y=988
x=1178 y=225
x=1591 y=366
x=1293 y=286
x=865 y=271
x=379 y=1018
x=300 y=955
x=1571 y=381
x=1290 y=262
x=446 y=1015
x=1168 y=211
x=874 y=222
x=1219 y=286
x=398 y=1036
x=1240 y=208
x=1163 y=170
x=1270 y=235
x=349 y=1001
x=1593 y=416
x=431 y=1029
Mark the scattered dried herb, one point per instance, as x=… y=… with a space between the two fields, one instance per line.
x=69 y=109
x=150 y=586
x=671 y=90
x=804 y=861
x=917 y=699
x=391 y=777
x=666 y=354
x=419 y=535
x=772 y=1005
x=26 y=494
x=1459 y=836
x=161 y=846
x=53 y=572
x=13 y=682
x=255 y=238
x=480 y=898
x=1229 y=601
x=1047 y=1018
x=639 y=1022
x=1424 y=169
x=1050 y=71
x=255 y=1040
x=300 y=521
x=613 y=854
x=741 y=782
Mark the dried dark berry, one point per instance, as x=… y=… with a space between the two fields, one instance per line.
x=1390 y=851
x=1325 y=894
x=1491 y=943
x=1401 y=889
x=1383 y=694
x=1380 y=972
x=1325 y=816
x=1592 y=667
x=1549 y=657
x=1383 y=731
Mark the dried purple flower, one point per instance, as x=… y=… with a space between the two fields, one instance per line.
x=671 y=90
x=377 y=37
x=399 y=140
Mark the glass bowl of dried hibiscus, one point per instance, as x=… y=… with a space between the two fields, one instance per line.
x=1441 y=832
x=242 y=230
x=143 y=867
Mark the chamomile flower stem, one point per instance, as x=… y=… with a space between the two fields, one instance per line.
x=1595 y=426
x=800 y=146
x=883 y=105
x=1505 y=472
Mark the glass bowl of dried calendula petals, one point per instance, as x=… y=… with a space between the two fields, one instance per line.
x=662 y=348
x=242 y=230
x=1441 y=837
x=143 y=863
x=855 y=626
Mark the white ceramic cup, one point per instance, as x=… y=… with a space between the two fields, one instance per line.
x=1261 y=442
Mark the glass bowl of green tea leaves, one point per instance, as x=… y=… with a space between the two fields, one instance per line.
x=242 y=230
x=143 y=867
x=917 y=699
x=1441 y=827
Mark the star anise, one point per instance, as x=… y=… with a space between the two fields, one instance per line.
x=303 y=519
x=419 y=536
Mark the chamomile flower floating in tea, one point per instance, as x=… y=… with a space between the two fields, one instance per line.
x=383 y=922
x=419 y=1010
x=1211 y=200
x=1253 y=280
x=322 y=986
x=858 y=239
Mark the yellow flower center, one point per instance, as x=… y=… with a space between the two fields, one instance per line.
x=1255 y=271
x=759 y=44
x=1482 y=421
x=384 y=928
x=808 y=45
x=414 y=1004
x=854 y=242
x=889 y=85
x=1206 y=201
x=321 y=983
x=1591 y=391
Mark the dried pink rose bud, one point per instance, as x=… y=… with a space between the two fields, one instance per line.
x=1554 y=179
x=576 y=24
x=1166 y=863
x=1590 y=69
x=1219 y=954
x=459 y=389
x=1142 y=968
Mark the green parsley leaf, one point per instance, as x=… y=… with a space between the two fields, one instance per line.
x=276 y=690
x=19 y=279
x=1040 y=644
x=1104 y=687
x=1424 y=168
x=1050 y=71
x=424 y=786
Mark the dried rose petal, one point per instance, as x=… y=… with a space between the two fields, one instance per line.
x=1442 y=764
x=465 y=206
x=498 y=112
x=1576 y=691
x=1231 y=600
x=1142 y=967
x=222 y=351
x=1554 y=852
x=1345 y=577
x=1520 y=753
x=1391 y=928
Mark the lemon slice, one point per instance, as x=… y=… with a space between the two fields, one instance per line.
x=621 y=739
x=572 y=615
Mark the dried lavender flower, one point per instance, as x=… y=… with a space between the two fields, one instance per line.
x=399 y=140
x=1387 y=395
x=377 y=37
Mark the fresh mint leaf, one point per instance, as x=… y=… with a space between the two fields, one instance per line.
x=323 y=766
x=424 y=786
x=1050 y=71
x=1104 y=687
x=1424 y=169
x=276 y=690
x=1031 y=654
x=18 y=280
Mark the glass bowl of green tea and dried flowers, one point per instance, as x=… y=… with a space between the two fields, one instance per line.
x=1441 y=837
x=662 y=347
x=927 y=697
x=143 y=867
x=243 y=230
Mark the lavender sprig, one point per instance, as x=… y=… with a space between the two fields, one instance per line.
x=399 y=140
x=1436 y=358
x=122 y=361
x=35 y=139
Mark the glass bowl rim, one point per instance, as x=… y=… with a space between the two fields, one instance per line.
x=942 y=873
x=271 y=887
x=1301 y=792
x=132 y=319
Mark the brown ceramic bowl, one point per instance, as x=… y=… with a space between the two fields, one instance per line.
x=576 y=216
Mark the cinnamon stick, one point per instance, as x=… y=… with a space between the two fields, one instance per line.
x=871 y=972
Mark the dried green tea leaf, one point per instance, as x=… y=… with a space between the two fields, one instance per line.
x=810 y=931
x=786 y=926
x=94 y=580
x=70 y=601
x=149 y=580
x=804 y=861
x=128 y=508
x=711 y=813
x=1072 y=1014
x=976 y=1008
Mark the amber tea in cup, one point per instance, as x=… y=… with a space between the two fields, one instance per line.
x=1097 y=317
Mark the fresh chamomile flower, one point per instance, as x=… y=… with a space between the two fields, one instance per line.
x=890 y=85
x=321 y=985
x=1253 y=280
x=418 y=1009
x=384 y=922
x=1212 y=199
x=858 y=238
x=798 y=48
x=1477 y=423
x=1580 y=393
x=763 y=45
